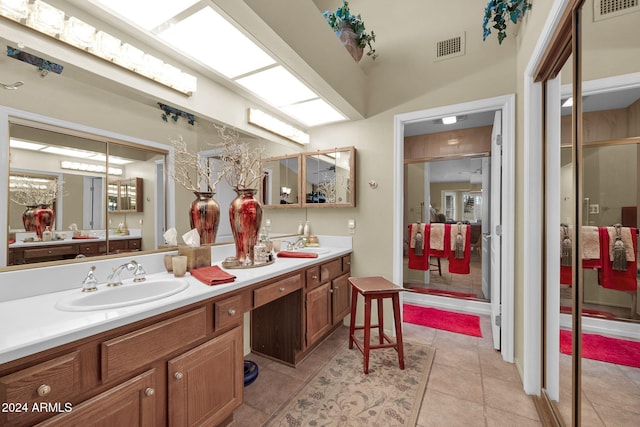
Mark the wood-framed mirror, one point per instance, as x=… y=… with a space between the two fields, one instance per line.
x=329 y=178
x=281 y=182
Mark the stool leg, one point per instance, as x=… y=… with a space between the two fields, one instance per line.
x=398 y=326
x=380 y=320
x=367 y=331
x=352 y=323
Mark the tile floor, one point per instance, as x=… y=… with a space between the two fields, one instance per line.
x=469 y=384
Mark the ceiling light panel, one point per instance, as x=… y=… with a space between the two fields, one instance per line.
x=314 y=113
x=147 y=14
x=277 y=86
x=25 y=145
x=210 y=39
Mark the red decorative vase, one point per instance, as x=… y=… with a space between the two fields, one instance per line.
x=44 y=217
x=245 y=215
x=28 y=218
x=204 y=216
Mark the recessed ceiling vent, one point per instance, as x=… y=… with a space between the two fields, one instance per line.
x=451 y=47
x=603 y=9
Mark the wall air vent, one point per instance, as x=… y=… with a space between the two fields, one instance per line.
x=603 y=9
x=451 y=47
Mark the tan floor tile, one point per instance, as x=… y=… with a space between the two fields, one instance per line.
x=492 y=365
x=458 y=357
x=618 y=392
x=509 y=397
x=280 y=387
x=616 y=417
x=498 y=418
x=247 y=416
x=460 y=383
x=439 y=409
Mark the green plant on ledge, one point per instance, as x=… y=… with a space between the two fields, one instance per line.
x=342 y=16
x=497 y=14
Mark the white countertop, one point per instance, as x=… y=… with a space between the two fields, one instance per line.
x=33 y=324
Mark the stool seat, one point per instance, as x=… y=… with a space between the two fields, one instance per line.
x=375 y=288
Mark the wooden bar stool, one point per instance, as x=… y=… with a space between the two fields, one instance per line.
x=375 y=288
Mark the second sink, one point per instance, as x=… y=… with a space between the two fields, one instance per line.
x=128 y=294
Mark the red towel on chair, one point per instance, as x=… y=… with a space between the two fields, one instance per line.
x=419 y=262
x=613 y=279
x=212 y=275
x=460 y=265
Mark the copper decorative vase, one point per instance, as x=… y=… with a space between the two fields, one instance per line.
x=43 y=217
x=28 y=218
x=245 y=215
x=204 y=216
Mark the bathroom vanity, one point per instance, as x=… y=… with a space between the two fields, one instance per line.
x=176 y=361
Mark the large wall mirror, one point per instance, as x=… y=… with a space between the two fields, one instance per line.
x=94 y=190
x=329 y=178
x=281 y=183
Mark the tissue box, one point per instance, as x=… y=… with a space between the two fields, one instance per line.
x=196 y=257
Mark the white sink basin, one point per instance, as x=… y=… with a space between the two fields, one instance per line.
x=127 y=294
x=313 y=250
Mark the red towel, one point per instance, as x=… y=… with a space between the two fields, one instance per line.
x=295 y=254
x=212 y=275
x=447 y=237
x=566 y=271
x=459 y=265
x=613 y=279
x=419 y=262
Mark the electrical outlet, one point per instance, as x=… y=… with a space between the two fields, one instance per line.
x=594 y=209
x=351 y=225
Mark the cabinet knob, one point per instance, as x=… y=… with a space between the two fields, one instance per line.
x=177 y=375
x=281 y=289
x=314 y=277
x=149 y=392
x=231 y=312
x=44 y=390
x=49 y=252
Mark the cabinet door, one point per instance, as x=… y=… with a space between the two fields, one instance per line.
x=340 y=297
x=318 y=312
x=132 y=403
x=205 y=384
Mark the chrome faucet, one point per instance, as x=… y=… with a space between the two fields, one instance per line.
x=298 y=244
x=138 y=273
x=89 y=284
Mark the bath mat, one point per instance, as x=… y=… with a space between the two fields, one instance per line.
x=443 y=292
x=340 y=394
x=467 y=324
x=605 y=349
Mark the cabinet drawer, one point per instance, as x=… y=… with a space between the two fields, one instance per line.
x=313 y=277
x=228 y=312
x=346 y=263
x=88 y=249
x=134 y=245
x=49 y=251
x=56 y=380
x=330 y=270
x=129 y=352
x=271 y=292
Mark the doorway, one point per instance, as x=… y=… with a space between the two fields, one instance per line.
x=501 y=307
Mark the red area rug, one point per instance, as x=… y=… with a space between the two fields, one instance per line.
x=467 y=324
x=605 y=349
x=443 y=292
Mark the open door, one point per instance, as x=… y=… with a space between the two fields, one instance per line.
x=496 y=228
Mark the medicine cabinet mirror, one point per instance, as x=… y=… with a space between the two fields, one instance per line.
x=281 y=183
x=329 y=178
x=125 y=195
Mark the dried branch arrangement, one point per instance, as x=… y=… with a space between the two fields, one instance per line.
x=242 y=164
x=28 y=192
x=191 y=170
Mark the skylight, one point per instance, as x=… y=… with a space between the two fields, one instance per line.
x=196 y=30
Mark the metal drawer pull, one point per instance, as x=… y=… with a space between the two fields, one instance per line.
x=149 y=392
x=44 y=390
x=231 y=312
x=281 y=289
x=177 y=375
x=314 y=277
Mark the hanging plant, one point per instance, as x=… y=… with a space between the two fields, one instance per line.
x=342 y=17
x=498 y=13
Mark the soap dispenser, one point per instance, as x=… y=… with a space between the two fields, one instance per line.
x=307 y=229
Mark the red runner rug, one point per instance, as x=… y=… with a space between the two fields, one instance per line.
x=467 y=324
x=443 y=292
x=605 y=349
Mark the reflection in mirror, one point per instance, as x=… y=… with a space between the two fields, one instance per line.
x=329 y=178
x=91 y=212
x=281 y=183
